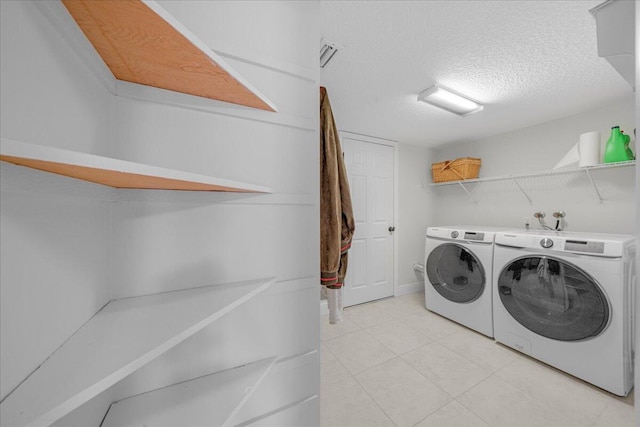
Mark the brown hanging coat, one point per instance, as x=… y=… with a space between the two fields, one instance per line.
x=336 y=214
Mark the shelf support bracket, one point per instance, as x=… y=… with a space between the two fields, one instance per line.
x=515 y=181
x=468 y=193
x=595 y=187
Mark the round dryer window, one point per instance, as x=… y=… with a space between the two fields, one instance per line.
x=553 y=298
x=455 y=273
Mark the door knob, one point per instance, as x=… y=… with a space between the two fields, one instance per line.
x=392 y=229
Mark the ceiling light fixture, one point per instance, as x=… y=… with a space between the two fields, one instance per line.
x=449 y=100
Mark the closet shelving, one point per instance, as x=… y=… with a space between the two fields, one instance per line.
x=123 y=336
x=290 y=385
x=515 y=178
x=113 y=172
x=208 y=400
x=140 y=42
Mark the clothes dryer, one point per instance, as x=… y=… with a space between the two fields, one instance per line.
x=458 y=274
x=567 y=299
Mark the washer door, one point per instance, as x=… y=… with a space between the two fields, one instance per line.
x=553 y=298
x=455 y=273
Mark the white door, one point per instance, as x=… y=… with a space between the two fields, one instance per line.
x=371 y=179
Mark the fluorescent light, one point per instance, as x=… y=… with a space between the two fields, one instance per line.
x=449 y=100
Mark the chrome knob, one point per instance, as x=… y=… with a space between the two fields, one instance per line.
x=546 y=243
x=559 y=214
x=539 y=215
x=454 y=234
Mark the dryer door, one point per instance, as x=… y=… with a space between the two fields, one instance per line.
x=455 y=273
x=553 y=298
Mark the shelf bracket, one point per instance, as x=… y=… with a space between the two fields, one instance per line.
x=515 y=181
x=468 y=193
x=595 y=187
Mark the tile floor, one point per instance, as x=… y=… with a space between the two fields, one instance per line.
x=393 y=363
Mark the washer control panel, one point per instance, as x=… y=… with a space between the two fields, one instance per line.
x=454 y=234
x=469 y=235
x=584 y=246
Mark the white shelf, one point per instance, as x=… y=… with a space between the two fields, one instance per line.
x=142 y=43
x=562 y=171
x=282 y=389
x=211 y=400
x=298 y=414
x=113 y=172
x=516 y=177
x=122 y=337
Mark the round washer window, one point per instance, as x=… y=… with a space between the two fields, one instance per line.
x=455 y=273
x=553 y=298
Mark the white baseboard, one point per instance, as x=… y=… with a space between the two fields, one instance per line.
x=410 y=288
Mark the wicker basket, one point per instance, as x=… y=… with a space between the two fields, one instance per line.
x=456 y=170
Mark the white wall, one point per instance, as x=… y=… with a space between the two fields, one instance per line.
x=48 y=95
x=539 y=148
x=415 y=213
x=68 y=247
x=54 y=231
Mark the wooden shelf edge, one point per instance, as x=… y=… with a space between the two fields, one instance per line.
x=113 y=172
x=125 y=335
x=140 y=42
x=222 y=394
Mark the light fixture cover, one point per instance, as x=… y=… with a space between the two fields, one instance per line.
x=449 y=100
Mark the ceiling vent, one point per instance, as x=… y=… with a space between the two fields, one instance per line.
x=327 y=50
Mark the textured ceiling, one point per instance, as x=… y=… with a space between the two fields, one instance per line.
x=528 y=62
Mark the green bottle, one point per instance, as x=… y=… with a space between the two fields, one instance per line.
x=617 y=149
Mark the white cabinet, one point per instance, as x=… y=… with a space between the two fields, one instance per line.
x=615 y=21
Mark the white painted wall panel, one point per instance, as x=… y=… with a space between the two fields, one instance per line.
x=416 y=210
x=270 y=33
x=48 y=95
x=230 y=147
x=54 y=240
x=167 y=246
x=54 y=273
x=283 y=89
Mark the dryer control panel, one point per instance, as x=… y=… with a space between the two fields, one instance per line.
x=460 y=234
x=468 y=235
x=592 y=247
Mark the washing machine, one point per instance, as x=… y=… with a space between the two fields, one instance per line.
x=458 y=273
x=567 y=299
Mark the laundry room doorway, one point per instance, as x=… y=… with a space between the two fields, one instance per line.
x=370 y=164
